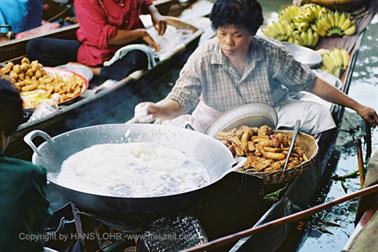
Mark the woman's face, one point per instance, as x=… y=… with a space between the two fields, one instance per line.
x=234 y=41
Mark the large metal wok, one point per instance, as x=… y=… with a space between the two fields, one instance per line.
x=50 y=154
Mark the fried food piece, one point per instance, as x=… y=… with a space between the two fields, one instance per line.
x=272 y=155
x=283 y=138
x=276 y=166
x=25 y=61
x=275 y=142
x=264 y=131
x=251 y=146
x=29 y=87
x=225 y=135
x=244 y=140
x=13 y=75
x=238 y=149
x=259 y=138
x=272 y=149
x=7 y=68
x=257 y=163
x=255 y=130
x=236 y=140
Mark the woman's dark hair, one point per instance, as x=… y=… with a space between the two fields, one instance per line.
x=11 y=111
x=245 y=14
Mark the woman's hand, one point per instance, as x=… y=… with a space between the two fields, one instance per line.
x=159 y=22
x=149 y=112
x=369 y=115
x=142 y=113
x=150 y=41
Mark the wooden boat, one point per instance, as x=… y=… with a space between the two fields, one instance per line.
x=301 y=192
x=367 y=218
x=15 y=48
x=56 y=10
x=108 y=105
x=363 y=237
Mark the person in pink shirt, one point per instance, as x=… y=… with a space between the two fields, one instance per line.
x=105 y=26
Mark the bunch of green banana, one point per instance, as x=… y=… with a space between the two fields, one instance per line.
x=316 y=9
x=334 y=61
x=289 y=13
x=307 y=38
x=306 y=16
x=280 y=30
x=334 y=24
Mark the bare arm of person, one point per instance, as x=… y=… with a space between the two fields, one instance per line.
x=332 y=94
x=158 y=20
x=164 y=109
x=127 y=36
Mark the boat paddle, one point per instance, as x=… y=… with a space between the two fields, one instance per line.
x=284 y=220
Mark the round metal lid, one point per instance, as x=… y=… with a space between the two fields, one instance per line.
x=251 y=114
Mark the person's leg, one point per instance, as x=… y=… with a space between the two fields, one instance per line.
x=52 y=52
x=133 y=61
x=315 y=117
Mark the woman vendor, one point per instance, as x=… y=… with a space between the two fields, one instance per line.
x=24 y=207
x=237 y=68
x=105 y=26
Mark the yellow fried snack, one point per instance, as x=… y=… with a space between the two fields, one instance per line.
x=32 y=77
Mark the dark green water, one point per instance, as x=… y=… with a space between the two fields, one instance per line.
x=364 y=89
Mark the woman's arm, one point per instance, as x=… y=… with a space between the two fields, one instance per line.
x=165 y=109
x=158 y=20
x=126 y=36
x=332 y=94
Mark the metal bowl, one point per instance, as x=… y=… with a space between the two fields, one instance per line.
x=252 y=114
x=304 y=55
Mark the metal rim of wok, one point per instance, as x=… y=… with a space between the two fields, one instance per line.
x=204 y=148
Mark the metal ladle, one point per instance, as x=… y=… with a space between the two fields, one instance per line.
x=293 y=138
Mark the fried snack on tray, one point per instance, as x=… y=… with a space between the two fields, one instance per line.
x=264 y=149
x=35 y=84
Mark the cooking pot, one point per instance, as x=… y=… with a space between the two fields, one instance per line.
x=217 y=159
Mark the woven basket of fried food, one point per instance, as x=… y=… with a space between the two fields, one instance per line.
x=266 y=151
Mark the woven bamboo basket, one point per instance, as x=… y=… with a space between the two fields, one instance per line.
x=310 y=147
x=340 y=5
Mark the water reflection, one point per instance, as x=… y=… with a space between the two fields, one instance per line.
x=364 y=89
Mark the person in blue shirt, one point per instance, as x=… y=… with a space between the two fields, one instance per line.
x=21 y=15
x=24 y=208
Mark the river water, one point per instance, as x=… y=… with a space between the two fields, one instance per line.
x=322 y=235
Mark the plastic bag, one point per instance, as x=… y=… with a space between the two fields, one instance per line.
x=46 y=108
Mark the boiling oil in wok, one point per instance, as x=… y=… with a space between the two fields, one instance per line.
x=132 y=170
